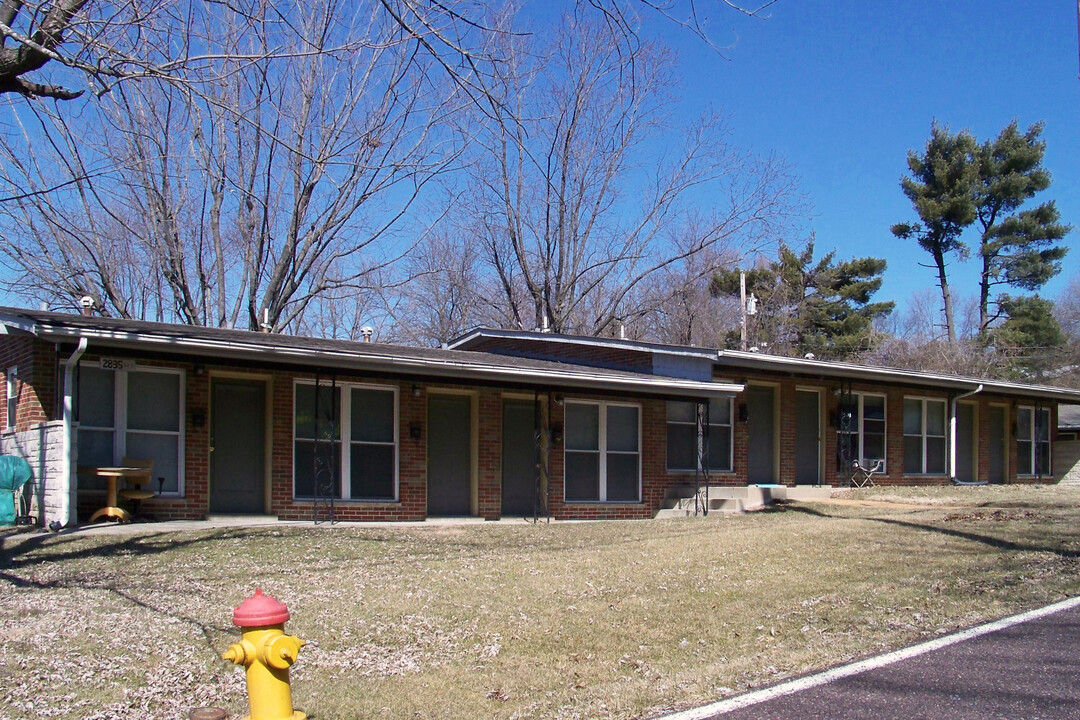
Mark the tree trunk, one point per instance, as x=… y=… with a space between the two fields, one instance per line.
x=984 y=296
x=946 y=296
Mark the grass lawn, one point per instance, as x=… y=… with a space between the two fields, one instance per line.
x=567 y=620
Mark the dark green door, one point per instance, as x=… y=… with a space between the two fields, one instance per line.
x=761 y=436
x=449 y=454
x=807 y=438
x=518 y=458
x=995 y=432
x=237 y=446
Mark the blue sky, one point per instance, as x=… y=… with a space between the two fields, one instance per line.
x=844 y=88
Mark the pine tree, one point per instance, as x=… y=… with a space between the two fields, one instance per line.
x=1017 y=248
x=941 y=188
x=957 y=183
x=804 y=306
x=1030 y=334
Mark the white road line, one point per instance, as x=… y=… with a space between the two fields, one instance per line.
x=805 y=683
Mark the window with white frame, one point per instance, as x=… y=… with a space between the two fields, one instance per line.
x=861 y=430
x=682 y=441
x=924 y=436
x=133 y=412
x=365 y=466
x=1033 y=441
x=11 y=383
x=602 y=452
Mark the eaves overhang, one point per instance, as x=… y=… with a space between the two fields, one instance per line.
x=361 y=357
x=742 y=360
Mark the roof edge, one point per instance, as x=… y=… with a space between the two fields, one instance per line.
x=570 y=376
x=622 y=344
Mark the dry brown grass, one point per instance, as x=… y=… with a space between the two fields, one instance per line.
x=570 y=620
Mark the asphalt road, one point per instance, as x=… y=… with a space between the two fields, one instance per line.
x=1028 y=671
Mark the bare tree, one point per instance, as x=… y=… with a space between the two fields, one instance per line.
x=680 y=310
x=574 y=205
x=100 y=43
x=443 y=295
x=1067 y=307
x=284 y=180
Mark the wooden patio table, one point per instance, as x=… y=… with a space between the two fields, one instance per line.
x=132 y=475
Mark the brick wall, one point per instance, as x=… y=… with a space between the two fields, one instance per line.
x=37 y=400
x=35 y=385
x=894 y=408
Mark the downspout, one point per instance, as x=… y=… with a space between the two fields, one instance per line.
x=952 y=429
x=65 y=474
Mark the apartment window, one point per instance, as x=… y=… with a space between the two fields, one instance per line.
x=602 y=452
x=1033 y=441
x=861 y=431
x=682 y=449
x=12 y=385
x=364 y=466
x=135 y=412
x=924 y=436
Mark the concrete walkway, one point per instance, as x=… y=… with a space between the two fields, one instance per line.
x=216 y=522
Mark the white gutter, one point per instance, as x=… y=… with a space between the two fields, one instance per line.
x=952 y=428
x=67 y=488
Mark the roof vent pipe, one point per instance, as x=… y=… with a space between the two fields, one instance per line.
x=87 y=303
x=622 y=331
x=545 y=326
x=366 y=332
x=265 y=325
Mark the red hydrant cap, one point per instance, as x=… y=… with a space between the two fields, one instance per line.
x=260 y=610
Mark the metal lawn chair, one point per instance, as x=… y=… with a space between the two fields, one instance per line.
x=862 y=476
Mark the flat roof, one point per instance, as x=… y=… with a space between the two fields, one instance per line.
x=104 y=333
x=744 y=360
x=473 y=336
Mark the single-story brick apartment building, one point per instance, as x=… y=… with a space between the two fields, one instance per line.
x=500 y=423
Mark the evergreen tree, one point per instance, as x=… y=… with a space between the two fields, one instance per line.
x=957 y=183
x=1017 y=248
x=804 y=306
x=1030 y=334
x=941 y=188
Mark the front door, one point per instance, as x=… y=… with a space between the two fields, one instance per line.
x=995 y=431
x=449 y=454
x=237 y=446
x=518 y=458
x=965 y=442
x=807 y=438
x=760 y=441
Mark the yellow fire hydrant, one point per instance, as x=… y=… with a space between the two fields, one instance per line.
x=267 y=652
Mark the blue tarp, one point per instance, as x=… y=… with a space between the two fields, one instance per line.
x=14 y=473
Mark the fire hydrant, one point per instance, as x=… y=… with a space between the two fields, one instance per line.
x=267 y=652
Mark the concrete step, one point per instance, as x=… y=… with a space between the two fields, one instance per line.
x=679 y=500
x=668 y=513
x=809 y=492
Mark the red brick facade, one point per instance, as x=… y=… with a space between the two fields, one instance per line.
x=39 y=370
x=35 y=383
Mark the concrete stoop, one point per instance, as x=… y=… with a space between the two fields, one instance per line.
x=679 y=500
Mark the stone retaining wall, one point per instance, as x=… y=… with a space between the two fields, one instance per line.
x=43 y=447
